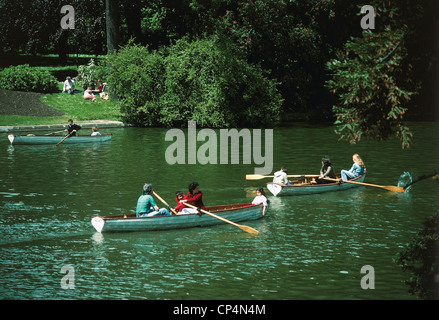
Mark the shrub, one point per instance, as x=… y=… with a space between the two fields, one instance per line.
x=204 y=81
x=26 y=78
x=88 y=75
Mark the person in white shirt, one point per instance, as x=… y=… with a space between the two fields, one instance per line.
x=69 y=86
x=260 y=197
x=281 y=176
x=95 y=131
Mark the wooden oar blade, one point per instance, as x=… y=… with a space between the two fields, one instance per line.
x=248 y=229
x=395 y=189
x=254 y=177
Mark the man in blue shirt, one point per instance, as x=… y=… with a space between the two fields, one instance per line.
x=146 y=206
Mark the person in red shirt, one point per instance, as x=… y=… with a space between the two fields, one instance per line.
x=193 y=197
x=178 y=197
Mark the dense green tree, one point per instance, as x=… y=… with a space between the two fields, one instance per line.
x=204 y=80
x=287 y=38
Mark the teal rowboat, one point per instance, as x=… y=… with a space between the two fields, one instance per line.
x=304 y=186
x=33 y=139
x=129 y=222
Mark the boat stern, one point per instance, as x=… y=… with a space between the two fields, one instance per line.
x=274 y=188
x=98 y=223
x=11 y=137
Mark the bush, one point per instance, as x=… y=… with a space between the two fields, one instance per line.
x=88 y=75
x=26 y=78
x=204 y=81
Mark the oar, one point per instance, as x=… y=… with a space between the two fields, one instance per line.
x=165 y=203
x=48 y=134
x=260 y=176
x=390 y=188
x=64 y=138
x=245 y=228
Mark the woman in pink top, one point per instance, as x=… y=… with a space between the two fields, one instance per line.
x=88 y=95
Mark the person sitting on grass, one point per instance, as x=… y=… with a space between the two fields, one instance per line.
x=88 y=95
x=69 y=86
x=100 y=87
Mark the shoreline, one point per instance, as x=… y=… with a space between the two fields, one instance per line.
x=87 y=124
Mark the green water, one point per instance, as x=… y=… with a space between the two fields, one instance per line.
x=309 y=247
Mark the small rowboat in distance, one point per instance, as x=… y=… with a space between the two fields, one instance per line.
x=34 y=139
x=129 y=222
x=303 y=186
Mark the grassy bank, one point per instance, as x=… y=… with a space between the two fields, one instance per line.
x=73 y=106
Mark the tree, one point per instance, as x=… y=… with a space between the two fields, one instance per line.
x=365 y=78
x=112 y=24
x=377 y=75
x=204 y=81
x=287 y=38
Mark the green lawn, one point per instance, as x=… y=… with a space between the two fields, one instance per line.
x=74 y=106
x=79 y=109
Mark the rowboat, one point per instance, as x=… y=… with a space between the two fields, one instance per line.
x=34 y=139
x=304 y=186
x=129 y=222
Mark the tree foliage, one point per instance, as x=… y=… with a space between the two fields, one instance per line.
x=372 y=102
x=287 y=38
x=420 y=259
x=26 y=78
x=204 y=81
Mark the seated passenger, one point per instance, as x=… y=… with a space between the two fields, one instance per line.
x=146 y=206
x=95 y=131
x=193 y=197
x=260 y=197
x=356 y=170
x=327 y=171
x=281 y=176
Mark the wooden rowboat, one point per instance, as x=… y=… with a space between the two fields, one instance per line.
x=129 y=222
x=33 y=139
x=304 y=186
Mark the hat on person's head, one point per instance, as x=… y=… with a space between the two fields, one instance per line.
x=147 y=188
x=68 y=78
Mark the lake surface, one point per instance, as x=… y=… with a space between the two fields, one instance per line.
x=309 y=247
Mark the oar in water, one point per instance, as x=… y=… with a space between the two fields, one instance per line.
x=390 y=188
x=260 y=176
x=165 y=203
x=64 y=138
x=245 y=228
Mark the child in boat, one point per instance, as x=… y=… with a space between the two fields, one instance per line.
x=193 y=197
x=178 y=197
x=356 y=170
x=260 y=197
x=146 y=206
x=95 y=131
x=327 y=171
